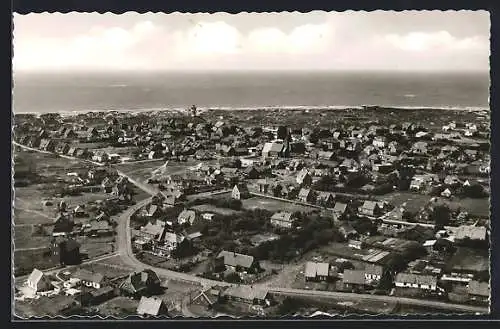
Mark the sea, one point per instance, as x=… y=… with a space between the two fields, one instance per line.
x=97 y=91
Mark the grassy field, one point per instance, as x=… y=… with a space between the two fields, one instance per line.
x=468 y=259
x=214 y=209
x=27 y=217
x=50 y=306
x=25 y=261
x=96 y=247
x=274 y=205
x=475 y=207
x=413 y=200
x=23 y=238
x=119 y=307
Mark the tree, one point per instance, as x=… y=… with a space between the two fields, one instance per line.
x=441 y=215
x=475 y=191
x=233 y=277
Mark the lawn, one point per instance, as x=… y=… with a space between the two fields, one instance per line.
x=475 y=207
x=469 y=260
x=214 y=209
x=25 y=261
x=44 y=306
x=413 y=200
x=23 y=238
x=96 y=247
x=274 y=205
x=26 y=217
x=119 y=307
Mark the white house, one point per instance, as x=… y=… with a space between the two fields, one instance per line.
x=410 y=280
x=38 y=282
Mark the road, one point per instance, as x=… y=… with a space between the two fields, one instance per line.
x=124 y=241
x=377 y=298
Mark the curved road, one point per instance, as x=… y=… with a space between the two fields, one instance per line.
x=128 y=257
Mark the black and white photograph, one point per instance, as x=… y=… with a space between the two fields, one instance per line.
x=250 y=165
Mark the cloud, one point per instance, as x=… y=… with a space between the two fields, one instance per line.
x=217 y=44
x=436 y=41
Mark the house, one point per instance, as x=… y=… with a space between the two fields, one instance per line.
x=79 y=211
x=304 y=178
x=479 y=290
x=89 y=279
x=306 y=195
x=107 y=185
x=451 y=180
x=62 y=148
x=141 y=283
x=282 y=219
x=326 y=155
x=373 y=273
x=316 y=271
x=92 y=132
x=97 y=296
x=37 y=281
x=171 y=241
x=66 y=251
x=471 y=232
x=339 y=211
x=152 y=231
x=246 y=294
x=347 y=231
x=419 y=148
x=370 y=208
x=354 y=278
x=47 y=145
x=411 y=280
x=151 y=211
x=151 y=306
x=379 y=142
x=186 y=216
x=251 y=173
x=208 y=216
x=235 y=261
x=240 y=191
x=446 y=193
x=99 y=228
x=325 y=199
x=62 y=223
x=355 y=244
x=273 y=150
x=100 y=156
x=264 y=185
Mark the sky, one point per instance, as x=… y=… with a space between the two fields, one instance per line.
x=412 y=40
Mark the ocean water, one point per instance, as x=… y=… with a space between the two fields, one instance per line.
x=44 y=92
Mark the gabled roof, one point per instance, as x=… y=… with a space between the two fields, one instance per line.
x=149 y=306
x=235 y=259
x=479 y=288
x=340 y=207
x=354 y=277
x=314 y=269
x=86 y=275
x=374 y=269
x=304 y=192
x=35 y=276
x=187 y=216
x=416 y=279
x=283 y=216
x=272 y=147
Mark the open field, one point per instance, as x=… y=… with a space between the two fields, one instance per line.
x=25 y=261
x=119 y=307
x=95 y=247
x=51 y=306
x=23 y=238
x=412 y=200
x=28 y=217
x=214 y=209
x=469 y=260
x=274 y=205
x=475 y=207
